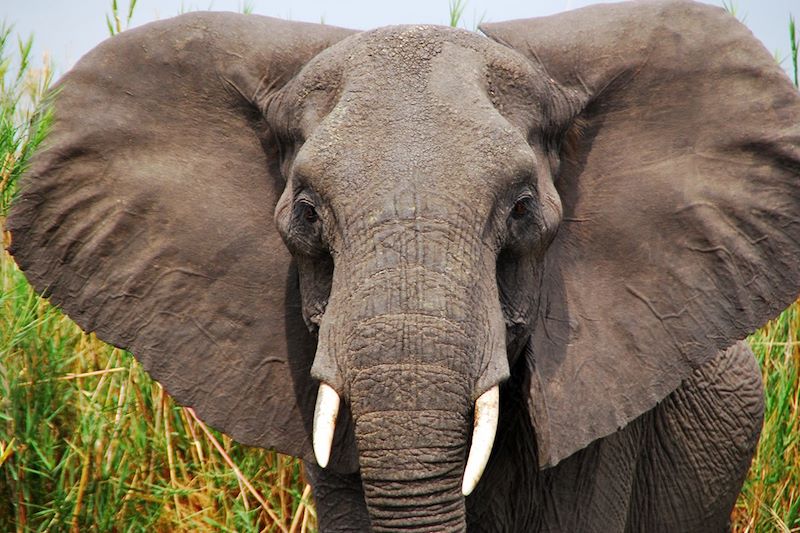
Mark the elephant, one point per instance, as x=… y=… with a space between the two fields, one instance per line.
x=483 y=282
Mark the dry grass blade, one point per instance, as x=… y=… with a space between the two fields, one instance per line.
x=170 y=456
x=75 y=527
x=238 y=472
x=6 y=450
x=300 y=514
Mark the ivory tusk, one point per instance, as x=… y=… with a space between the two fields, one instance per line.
x=325 y=423
x=487 y=411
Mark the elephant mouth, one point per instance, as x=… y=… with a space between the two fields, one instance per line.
x=314 y=318
x=517 y=337
x=313 y=322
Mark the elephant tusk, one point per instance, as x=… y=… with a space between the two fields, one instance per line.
x=487 y=411
x=325 y=423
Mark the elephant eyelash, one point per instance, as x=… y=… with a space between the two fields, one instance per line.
x=522 y=207
x=522 y=224
x=307 y=211
x=306 y=228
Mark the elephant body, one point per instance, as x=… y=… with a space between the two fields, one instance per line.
x=482 y=282
x=648 y=476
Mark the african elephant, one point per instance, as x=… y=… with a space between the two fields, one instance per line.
x=527 y=257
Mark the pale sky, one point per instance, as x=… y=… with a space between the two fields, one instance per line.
x=68 y=29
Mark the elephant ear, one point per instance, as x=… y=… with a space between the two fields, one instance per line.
x=681 y=195
x=149 y=217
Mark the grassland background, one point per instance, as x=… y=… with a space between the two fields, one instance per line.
x=88 y=442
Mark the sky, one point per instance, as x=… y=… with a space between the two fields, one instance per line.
x=66 y=30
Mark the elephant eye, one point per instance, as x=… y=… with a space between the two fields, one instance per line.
x=310 y=214
x=305 y=232
x=521 y=207
x=307 y=211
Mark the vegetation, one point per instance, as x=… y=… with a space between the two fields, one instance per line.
x=770 y=499
x=89 y=442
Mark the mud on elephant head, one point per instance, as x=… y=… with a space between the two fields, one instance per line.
x=404 y=218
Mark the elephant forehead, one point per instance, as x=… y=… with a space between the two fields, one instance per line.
x=356 y=155
x=432 y=126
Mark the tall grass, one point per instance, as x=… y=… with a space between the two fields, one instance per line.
x=794 y=44
x=89 y=443
x=770 y=499
x=114 y=20
x=456 y=8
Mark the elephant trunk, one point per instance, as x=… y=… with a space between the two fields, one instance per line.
x=411 y=342
x=412 y=440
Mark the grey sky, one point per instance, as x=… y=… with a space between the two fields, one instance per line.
x=68 y=29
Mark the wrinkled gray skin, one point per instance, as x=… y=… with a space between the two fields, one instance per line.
x=592 y=223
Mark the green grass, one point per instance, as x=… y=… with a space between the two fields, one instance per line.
x=770 y=499
x=794 y=44
x=89 y=442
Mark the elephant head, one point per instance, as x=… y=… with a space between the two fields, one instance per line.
x=401 y=219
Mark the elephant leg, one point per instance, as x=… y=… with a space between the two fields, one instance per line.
x=339 y=501
x=697 y=447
